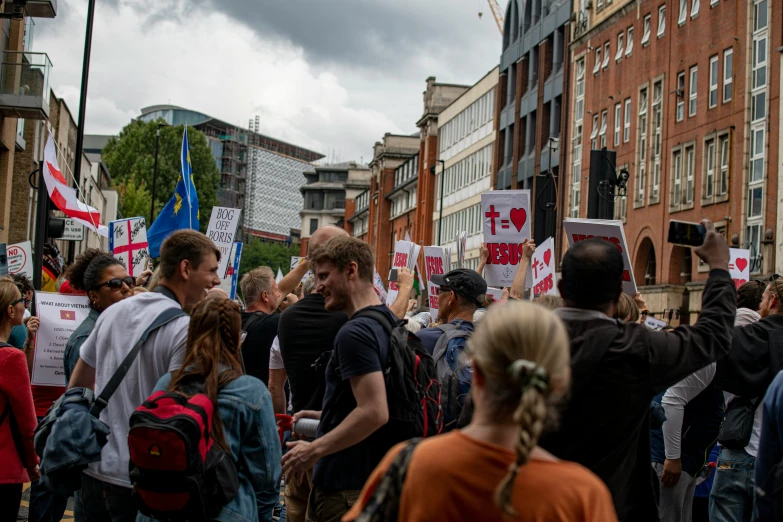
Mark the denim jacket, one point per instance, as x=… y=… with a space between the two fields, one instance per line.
x=75 y=342
x=251 y=432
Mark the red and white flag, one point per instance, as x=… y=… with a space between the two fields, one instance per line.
x=64 y=197
x=67 y=315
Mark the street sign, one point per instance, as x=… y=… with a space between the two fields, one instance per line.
x=74 y=231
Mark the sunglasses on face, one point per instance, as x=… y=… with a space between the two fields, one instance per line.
x=115 y=285
x=20 y=300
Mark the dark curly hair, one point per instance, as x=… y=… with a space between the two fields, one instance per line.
x=23 y=283
x=75 y=273
x=749 y=295
x=94 y=272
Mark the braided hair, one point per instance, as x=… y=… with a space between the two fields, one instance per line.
x=522 y=351
x=212 y=357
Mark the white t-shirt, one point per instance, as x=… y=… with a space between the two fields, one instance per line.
x=275 y=357
x=115 y=333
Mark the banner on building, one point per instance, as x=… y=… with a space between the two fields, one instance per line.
x=128 y=243
x=60 y=315
x=20 y=259
x=506 y=225
x=222 y=231
x=542 y=265
x=405 y=256
x=436 y=261
x=739 y=265
x=611 y=230
x=229 y=283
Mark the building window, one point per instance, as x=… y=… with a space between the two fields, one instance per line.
x=760 y=16
x=694 y=75
x=756 y=154
x=597 y=66
x=713 y=3
x=602 y=132
x=753 y=239
x=641 y=149
x=759 y=74
x=629 y=42
x=661 y=20
x=683 y=12
x=690 y=167
x=709 y=168
x=618 y=120
x=580 y=89
x=754 y=201
x=728 y=74
x=694 y=8
x=676 y=178
x=647 y=30
x=713 y=98
x=723 y=185
x=680 y=96
x=627 y=122
x=576 y=166
x=620 y=46
x=606 y=56
x=657 y=108
x=313 y=225
x=594 y=133
x=599 y=4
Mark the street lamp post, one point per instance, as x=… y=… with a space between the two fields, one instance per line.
x=440 y=217
x=155 y=173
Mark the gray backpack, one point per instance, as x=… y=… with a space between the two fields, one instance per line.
x=454 y=373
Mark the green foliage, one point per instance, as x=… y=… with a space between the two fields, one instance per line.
x=131 y=160
x=260 y=253
x=134 y=200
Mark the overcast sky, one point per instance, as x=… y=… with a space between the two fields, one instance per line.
x=331 y=75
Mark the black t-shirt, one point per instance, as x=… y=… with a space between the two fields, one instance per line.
x=261 y=331
x=307 y=331
x=361 y=347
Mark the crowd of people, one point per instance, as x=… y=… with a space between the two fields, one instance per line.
x=565 y=408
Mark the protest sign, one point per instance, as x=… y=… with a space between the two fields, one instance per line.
x=435 y=262
x=229 y=283
x=494 y=294
x=654 y=324
x=128 y=243
x=377 y=284
x=542 y=265
x=506 y=225
x=739 y=265
x=20 y=259
x=222 y=231
x=295 y=260
x=60 y=315
x=612 y=231
x=405 y=256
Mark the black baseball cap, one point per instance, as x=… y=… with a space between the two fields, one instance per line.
x=467 y=283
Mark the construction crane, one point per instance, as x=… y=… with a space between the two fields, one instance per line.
x=496 y=12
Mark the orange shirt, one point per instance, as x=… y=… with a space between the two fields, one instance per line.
x=453 y=477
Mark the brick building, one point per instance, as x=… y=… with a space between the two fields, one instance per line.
x=686 y=93
x=529 y=106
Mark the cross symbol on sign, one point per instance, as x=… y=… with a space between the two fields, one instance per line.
x=492 y=214
x=129 y=248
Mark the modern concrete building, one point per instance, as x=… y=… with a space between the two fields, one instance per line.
x=686 y=93
x=467 y=138
x=250 y=163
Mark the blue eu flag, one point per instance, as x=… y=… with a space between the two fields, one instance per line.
x=181 y=212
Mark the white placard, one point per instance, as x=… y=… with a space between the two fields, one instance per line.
x=229 y=283
x=494 y=294
x=222 y=231
x=20 y=259
x=435 y=261
x=295 y=260
x=612 y=231
x=506 y=225
x=60 y=315
x=654 y=324
x=739 y=265
x=405 y=256
x=542 y=265
x=128 y=243
x=74 y=231
x=377 y=284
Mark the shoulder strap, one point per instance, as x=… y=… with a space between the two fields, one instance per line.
x=378 y=316
x=103 y=399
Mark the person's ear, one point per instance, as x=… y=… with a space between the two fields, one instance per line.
x=352 y=270
x=184 y=269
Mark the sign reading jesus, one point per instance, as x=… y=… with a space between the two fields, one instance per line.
x=506 y=224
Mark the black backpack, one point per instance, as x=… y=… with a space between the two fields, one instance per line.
x=412 y=387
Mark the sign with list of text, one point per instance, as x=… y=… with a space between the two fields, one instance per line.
x=506 y=225
x=60 y=315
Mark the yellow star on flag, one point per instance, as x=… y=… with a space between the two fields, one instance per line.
x=177 y=203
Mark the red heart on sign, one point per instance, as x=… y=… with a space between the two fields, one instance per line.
x=547 y=257
x=741 y=263
x=518 y=217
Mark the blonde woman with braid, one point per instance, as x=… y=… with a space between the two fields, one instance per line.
x=245 y=426
x=493 y=470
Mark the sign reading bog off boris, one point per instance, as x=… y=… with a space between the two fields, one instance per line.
x=506 y=224
x=611 y=230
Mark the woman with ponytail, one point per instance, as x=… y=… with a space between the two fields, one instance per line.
x=493 y=470
x=244 y=422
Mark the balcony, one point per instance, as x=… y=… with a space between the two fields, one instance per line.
x=24 y=85
x=33 y=8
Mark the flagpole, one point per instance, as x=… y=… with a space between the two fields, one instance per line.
x=40 y=229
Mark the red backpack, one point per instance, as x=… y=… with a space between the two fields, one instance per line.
x=176 y=470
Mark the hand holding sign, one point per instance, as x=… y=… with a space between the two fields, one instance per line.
x=506 y=228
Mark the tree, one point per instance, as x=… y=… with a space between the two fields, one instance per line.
x=260 y=253
x=134 y=200
x=131 y=159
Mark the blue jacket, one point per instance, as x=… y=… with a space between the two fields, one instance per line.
x=75 y=342
x=251 y=431
x=770 y=451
